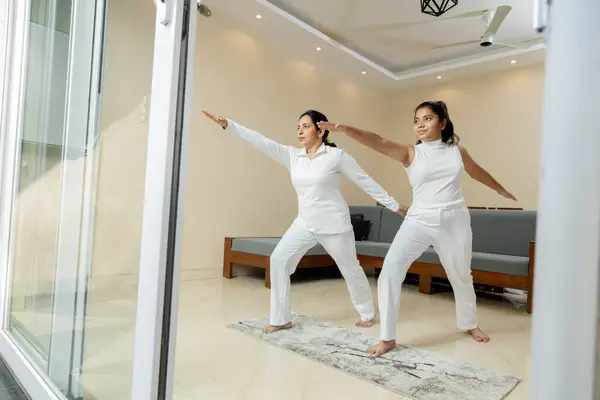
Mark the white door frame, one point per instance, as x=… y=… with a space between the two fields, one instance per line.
x=156 y=322
x=565 y=307
x=5 y=47
x=163 y=211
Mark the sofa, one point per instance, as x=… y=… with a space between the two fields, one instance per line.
x=503 y=249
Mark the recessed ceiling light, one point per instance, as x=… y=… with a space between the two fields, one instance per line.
x=318 y=49
x=513 y=61
x=364 y=72
x=258 y=16
x=439 y=77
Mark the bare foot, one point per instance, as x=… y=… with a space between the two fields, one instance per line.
x=479 y=336
x=382 y=347
x=365 y=324
x=275 y=328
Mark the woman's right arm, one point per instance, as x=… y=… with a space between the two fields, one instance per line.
x=398 y=151
x=276 y=151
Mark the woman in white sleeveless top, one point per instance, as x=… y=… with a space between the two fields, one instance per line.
x=438 y=216
x=323 y=214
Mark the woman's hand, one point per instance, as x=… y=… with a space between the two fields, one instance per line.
x=219 y=120
x=331 y=127
x=402 y=210
x=507 y=194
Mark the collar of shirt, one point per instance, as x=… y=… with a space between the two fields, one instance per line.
x=304 y=153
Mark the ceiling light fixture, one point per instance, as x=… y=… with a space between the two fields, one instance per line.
x=513 y=61
x=439 y=77
x=437 y=8
x=364 y=72
x=318 y=49
x=258 y=16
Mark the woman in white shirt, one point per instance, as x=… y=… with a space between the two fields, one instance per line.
x=323 y=214
x=438 y=216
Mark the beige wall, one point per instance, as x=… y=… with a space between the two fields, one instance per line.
x=498 y=118
x=232 y=189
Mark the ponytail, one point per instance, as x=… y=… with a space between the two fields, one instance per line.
x=326 y=140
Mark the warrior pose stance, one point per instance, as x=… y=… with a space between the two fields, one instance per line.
x=438 y=216
x=323 y=214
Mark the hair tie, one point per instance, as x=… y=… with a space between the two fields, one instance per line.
x=326 y=140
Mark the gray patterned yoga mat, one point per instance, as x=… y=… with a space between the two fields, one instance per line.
x=411 y=372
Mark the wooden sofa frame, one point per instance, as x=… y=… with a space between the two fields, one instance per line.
x=425 y=271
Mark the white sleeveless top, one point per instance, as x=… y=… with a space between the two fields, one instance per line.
x=435 y=175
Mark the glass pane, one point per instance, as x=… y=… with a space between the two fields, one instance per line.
x=100 y=233
x=119 y=200
x=38 y=174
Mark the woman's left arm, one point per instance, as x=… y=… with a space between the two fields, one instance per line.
x=350 y=168
x=476 y=172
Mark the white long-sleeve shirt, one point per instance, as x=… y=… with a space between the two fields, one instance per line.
x=321 y=206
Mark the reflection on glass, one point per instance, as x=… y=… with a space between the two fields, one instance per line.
x=108 y=251
x=38 y=190
x=119 y=200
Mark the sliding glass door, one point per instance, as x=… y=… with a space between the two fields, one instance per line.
x=83 y=208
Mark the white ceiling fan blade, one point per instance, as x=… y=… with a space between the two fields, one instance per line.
x=499 y=16
x=456 y=44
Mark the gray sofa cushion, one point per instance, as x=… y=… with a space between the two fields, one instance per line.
x=390 y=223
x=265 y=246
x=503 y=231
x=513 y=265
x=500 y=239
x=373 y=214
x=375 y=249
x=506 y=264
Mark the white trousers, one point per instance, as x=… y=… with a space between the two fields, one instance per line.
x=449 y=232
x=286 y=256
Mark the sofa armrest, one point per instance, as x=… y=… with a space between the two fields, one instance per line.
x=531 y=256
x=530 y=276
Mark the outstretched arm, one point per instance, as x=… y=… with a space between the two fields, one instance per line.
x=481 y=175
x=398 y=151
x=276 y=151
x=350 y=168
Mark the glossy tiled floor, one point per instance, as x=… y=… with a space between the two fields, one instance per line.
x=213 y=362
x=216 y=363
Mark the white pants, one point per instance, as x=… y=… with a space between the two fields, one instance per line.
x=449 y=232
x=286 y=256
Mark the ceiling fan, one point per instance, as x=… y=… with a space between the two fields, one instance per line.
x=493 y=20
